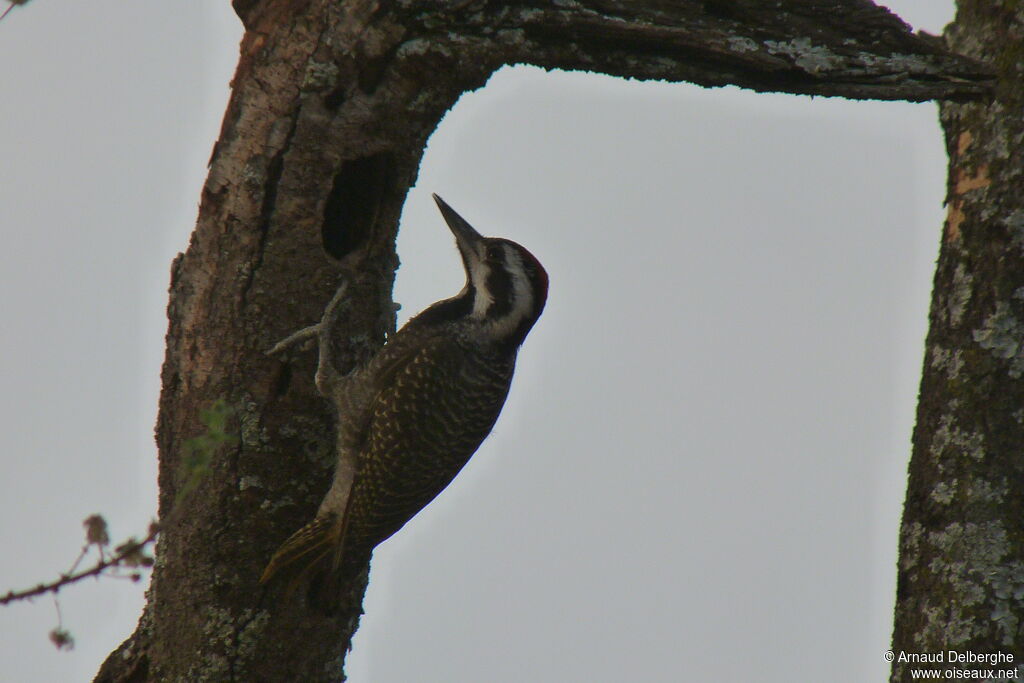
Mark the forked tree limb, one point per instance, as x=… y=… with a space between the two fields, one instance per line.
x=332 y=103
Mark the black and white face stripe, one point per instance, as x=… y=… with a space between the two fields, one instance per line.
x=508 y=292
x=506 y=287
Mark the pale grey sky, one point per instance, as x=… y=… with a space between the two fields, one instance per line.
x=700 y=470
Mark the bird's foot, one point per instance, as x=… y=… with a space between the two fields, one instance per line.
x=302 y=335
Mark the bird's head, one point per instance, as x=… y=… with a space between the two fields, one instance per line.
x=506 y=287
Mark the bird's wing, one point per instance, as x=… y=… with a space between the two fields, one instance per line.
x=322 y=538
x=425 y=423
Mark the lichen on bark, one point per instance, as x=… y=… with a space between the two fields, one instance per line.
x=332 y=104
x=961 y=585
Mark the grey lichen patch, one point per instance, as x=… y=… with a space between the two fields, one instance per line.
x=254 y=436
x=249 y=481
x=272 y=505
x=232 y=638
x=946 y=361
x=944 y=625
x=987 y=211
x=742 y=44
x=254 y=172
x=960 y=294
x=948 y=435
x=910 y=543
x=218 y=632
x=1008 y=586
x=970 y=560
x=220 y=625
x=527 y=14
x=510 y=36
x=1015 y=226
x=249 y=635
x=982 y=545
x=908 y=64
x=243 y=271
x=982 y=491
x=968 y=593
x=319 y=75
x=1000 y=136
x=814 y=59
x=943 y=492
x=1005 y=620
x=422 y=102
x=1001 y=333
x=417 y=47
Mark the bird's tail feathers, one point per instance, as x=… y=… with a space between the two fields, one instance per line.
x=305 y=549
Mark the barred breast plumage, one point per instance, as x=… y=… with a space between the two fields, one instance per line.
x=414 y=415
x=424 y=428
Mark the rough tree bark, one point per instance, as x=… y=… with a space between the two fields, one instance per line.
x=332 y=104
x=961 y=567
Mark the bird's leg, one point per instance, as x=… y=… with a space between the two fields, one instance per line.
x=327 y=374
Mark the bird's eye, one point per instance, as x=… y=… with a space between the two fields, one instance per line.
x=495 y=252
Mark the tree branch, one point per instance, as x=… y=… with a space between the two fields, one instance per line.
x=849 y=48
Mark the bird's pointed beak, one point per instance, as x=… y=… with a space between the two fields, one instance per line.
x=466 y=236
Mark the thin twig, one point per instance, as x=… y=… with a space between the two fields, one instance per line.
x=78 y=560
x=115 y=560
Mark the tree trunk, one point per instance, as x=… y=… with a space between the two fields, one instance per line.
x=332 y=105
x=961 y=566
